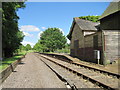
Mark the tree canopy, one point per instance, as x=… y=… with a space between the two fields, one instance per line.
x=10 y=32
x=90 y=18
x=39 y=47
x=51 y=39
x=28 y=47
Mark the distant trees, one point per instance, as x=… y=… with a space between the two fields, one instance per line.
x=22 y=48
x=90 y=18
x=64 y=50
x=25 y=48
x=11 y=36
x=38 y=47
x=51 y=39
x=28 y=47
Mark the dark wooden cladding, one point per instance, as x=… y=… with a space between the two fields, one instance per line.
x=95 y=42
x=112 y=22
x=76 y=47
x=72 y=52
x=112 y=45
x=87 y=54
x=81 y=53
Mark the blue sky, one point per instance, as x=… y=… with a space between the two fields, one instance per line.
x=38 y=16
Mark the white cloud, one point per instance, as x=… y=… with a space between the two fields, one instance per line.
x=39 y=34
x=29 y=28
x=68 y=41
x=43 y=28
x=26 y=42
x=61 y=30
x=27 y=34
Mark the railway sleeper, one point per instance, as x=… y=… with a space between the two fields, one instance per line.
x=101 y=71
x=105 y=86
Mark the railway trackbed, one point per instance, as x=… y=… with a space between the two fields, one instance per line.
x=79 y=76
x=115 y=75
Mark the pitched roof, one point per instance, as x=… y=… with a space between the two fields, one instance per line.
x=85 y=25
x=112 y=8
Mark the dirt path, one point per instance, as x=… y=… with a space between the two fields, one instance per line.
x=32 y=73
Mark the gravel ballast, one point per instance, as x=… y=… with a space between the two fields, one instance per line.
x=32 y=73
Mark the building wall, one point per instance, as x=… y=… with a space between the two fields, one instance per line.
x=83 y=43
x=83 y=46
x=111 y=44
x=76 y=41
x=89 y=39
x=110 y=22
x=93 y=42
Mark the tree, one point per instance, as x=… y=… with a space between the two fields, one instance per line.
x=90 y=18
x=22 y=47
x=28 y=47
x=10 y=32
x=38 y=47
x=51 y=39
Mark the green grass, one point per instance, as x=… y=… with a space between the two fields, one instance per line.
x=6 y=62
x=64 y=50
x=30 y=51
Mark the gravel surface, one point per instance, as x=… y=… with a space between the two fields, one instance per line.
x=100 y=77
x=70 y=77
x=32 y=73
x=114 y=68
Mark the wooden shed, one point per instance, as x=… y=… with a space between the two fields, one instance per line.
x=110 y=19
x=110 y=27
x=86 y=37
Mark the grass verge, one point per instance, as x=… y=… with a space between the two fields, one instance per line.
x=6 y=62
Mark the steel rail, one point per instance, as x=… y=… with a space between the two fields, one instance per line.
x=84 y=76
x=93 y=68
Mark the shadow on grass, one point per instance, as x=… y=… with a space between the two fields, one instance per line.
x=16 y=58
x=5 y=63
x=21 y=63
x=19 y=54
x=9 y=60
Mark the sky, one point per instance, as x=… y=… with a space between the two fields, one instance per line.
x=38 y=16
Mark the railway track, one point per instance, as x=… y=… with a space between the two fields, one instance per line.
x=114 y=75
x=98 y=79
x=71 y=80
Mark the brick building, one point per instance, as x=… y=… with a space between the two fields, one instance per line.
x=86 y=36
